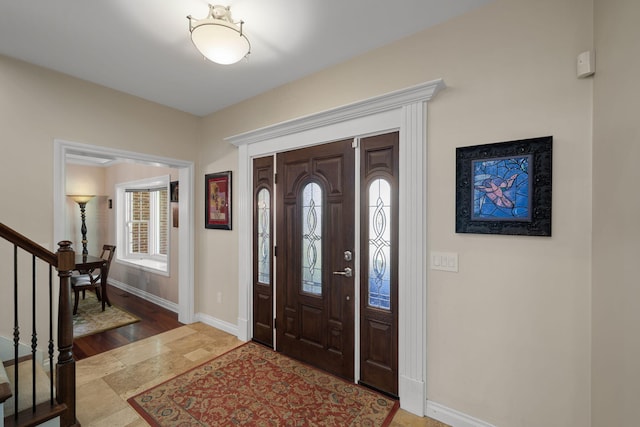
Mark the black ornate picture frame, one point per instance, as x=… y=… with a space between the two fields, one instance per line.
x=505 y=188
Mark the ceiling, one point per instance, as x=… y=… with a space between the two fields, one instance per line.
x=142 y=47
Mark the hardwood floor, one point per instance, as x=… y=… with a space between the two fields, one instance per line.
x=154 y=320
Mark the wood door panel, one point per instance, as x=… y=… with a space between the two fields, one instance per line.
x=331 y=171
x=263 y=292
x=263 y=319
x=335 y=338
x=264 y=171
x=336 y=293
x=312 y=325
x=295 y=172
x=379 y=325
x=291 y=323
x=381 y=359
x=317 y=328
x=378 y=335
x=378 y=160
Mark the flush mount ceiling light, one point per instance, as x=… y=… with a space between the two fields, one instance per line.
x=218 y=38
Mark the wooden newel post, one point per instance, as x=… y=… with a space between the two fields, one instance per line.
x=66 y=367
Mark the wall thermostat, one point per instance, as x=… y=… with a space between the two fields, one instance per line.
x=585 y=65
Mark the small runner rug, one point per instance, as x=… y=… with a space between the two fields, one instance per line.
x=91 y=319
x=252 y=385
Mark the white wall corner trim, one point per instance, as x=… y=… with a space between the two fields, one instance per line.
x=452 y=417
x=405 y=111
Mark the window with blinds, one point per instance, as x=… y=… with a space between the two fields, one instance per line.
x=147 y=221
x=142 y=221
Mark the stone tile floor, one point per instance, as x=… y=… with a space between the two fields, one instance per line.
x=104 y=382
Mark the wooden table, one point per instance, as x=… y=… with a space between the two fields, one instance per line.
x=86 y=263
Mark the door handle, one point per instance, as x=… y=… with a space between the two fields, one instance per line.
x=347 y=272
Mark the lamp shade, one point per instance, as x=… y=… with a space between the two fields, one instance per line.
x=79 y=198
x=218 y=38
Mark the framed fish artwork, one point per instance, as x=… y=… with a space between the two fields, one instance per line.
x=505 y=188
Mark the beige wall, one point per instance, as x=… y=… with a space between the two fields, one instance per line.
x=38 y=106
x=154 y=284
x=616 y=294
x=100 y=220
x=86 y=180
x=509 y=335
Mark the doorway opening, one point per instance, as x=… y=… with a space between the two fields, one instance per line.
x=185 y=170
x=320 y=278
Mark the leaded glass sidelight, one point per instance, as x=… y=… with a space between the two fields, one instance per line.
x=263 y=237
x=312 y=239
x=379 y=269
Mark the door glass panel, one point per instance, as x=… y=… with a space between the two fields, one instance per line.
x=379 y=244
x=312 y=239
x=264 y=239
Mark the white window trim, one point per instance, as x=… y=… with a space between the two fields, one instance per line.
x=158 y=264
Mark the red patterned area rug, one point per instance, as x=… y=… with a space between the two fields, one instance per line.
x=252 y=385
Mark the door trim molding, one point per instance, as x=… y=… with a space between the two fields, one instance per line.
x=403 y=110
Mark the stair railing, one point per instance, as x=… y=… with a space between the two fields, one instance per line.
x=63 y=261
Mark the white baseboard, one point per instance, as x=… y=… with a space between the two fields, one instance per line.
x=171 y=306
x=452 y=417
x=217 y=323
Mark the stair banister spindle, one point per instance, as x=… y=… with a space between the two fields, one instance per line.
x=16 y=333
x=51 y=347
x=34 y=334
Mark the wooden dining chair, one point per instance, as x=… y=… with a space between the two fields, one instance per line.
x=92 y=280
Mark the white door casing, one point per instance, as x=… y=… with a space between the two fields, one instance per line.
x=406 y=111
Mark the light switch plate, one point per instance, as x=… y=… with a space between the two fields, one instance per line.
x=445 y=261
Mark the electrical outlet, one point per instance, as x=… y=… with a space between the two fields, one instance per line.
x=219 y=297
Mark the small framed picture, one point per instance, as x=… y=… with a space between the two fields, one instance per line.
x=175 y=189
x=505 y=188
x=175 y=215
x=218 y=200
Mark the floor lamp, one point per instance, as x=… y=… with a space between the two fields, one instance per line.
x=82 y=202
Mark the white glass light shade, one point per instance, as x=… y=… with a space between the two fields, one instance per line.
x=218 y=37
x=220 y=42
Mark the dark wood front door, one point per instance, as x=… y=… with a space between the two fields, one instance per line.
x=315 y=242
